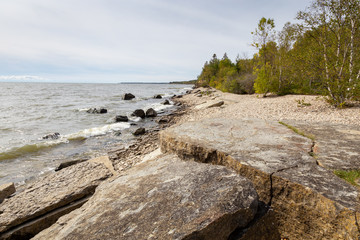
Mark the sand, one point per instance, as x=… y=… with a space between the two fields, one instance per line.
x=304 y=108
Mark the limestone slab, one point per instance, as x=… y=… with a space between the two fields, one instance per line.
x=310 y=202
x=165 y=198
x=6 y=190
x=51 y=192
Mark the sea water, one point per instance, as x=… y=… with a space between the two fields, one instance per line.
x=30 y=111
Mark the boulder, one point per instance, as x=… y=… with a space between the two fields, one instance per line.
x=120 y=118
x=151 y=113
x=166 y=102
x=309 y=201
x=154 y=200
x=97 y=111
x=128 y=96
x=139 y=113
x=68 y=164
x=210 y=104
x=6 y=190
x=48 y=198
x=158 y=96
x=139 y=131
x=52 y=136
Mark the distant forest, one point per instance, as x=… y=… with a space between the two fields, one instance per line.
x=321 y=55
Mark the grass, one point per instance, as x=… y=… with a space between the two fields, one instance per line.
x=350 y=176
x=298 y=131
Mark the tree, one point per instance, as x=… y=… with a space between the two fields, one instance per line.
x=334 y=24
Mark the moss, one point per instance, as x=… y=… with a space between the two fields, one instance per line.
x=348 y=175
x=298 y=131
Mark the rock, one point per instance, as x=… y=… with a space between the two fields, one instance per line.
x=128 y=96
x=154 y=200
x=166 y=102
x=139 y=131
x=178 y=104
x=52 y=136
x=6 y=190
x=139 y=113
x=198 y=95
x=68 y=164
x=210 y=104
x=158 y=96
x=336 y=145
x=151 y=113
x=97 y=111
x=120 y=118
x=164 y=119
x=309 y=201
x=117 y=133
x=52 y=196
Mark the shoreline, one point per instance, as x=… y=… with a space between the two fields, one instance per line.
x=203 y=106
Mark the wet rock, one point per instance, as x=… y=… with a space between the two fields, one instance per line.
x=128 y=96
x=198 y=95
x=139 y=113
x=6 y=190
x=50 y=196
x=164 y=119
x=166 y=102
x=151 y=113
x=97 y=111
x=139 y=131
x=309 y=201
x=158 y=96
x=154 y=200
x=52 y=136
x=120 y=118
x=117 y=133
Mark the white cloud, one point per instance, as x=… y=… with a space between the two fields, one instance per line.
x=21 y=77
x=49 y=37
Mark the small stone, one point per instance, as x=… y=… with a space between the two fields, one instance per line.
x=139 y=113
x=128 y=96
x=166 y=102
x=120 y=118
x=151 y=113
x=158 y=96
x=139 y=131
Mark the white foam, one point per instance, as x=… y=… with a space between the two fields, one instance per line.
x=97 y=131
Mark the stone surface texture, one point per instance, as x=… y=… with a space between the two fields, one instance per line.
x=337 y=146
x=6 y=190
x=163 y=198
x=51 y=192
x=309 y=201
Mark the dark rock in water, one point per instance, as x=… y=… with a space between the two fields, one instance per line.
x=158 y=96
x=68 y=164
x=139 y=131
x=151 y=113
x=97 y=111
x=120 y=118
x=117 y=133
x=128 y=96
x=163 y=198
x=178 y=96
x=6 y=190
x=163 y=120
x=166 y=102
x=188 y=91
x=52 y=136
x=139 y=113
x=133 y=124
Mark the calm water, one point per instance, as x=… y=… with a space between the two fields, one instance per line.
x=29 y=111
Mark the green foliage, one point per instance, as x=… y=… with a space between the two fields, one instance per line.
x=350 y=176
x=319 y=56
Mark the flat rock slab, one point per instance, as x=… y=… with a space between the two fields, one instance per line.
x=337 y=146
x=51 y=192
x=165 y=198
x=305 y=196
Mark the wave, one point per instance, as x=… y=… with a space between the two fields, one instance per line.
x=45 y=144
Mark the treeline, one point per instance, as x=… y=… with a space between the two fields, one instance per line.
x=321 y=55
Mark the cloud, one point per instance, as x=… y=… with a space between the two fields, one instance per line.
x=21 y=78
x=117 y=37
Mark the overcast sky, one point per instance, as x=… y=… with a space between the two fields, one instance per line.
x=127 y=41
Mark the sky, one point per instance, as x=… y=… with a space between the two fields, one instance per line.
x=110 y=41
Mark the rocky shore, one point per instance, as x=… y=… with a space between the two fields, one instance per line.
x=223 y=166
